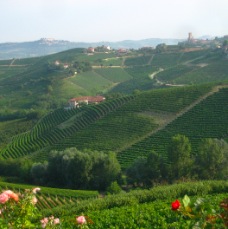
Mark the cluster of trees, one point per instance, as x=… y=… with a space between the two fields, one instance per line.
x=77 y=66
x=74 y=169
x=210 y=162
x=82 y=66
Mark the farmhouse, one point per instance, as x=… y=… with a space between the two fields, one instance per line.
x=75 y=102
x=90 y=50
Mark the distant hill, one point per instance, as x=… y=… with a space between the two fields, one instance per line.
x=46 y=46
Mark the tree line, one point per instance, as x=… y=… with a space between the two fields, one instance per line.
x=180 y=163
x=101 y=171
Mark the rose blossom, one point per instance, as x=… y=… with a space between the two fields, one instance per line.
x=56 y=221
x=3 y=198
x=175 y=205
x=35 y=190
x=11 y=195
x=34 y=200
x=81 y=219
x=44 y=222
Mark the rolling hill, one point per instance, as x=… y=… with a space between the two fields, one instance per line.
x=33 y=87
x=150 y=97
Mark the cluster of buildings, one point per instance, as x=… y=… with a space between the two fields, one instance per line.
x=78 y=101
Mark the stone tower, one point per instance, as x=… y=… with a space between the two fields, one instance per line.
x=190 y=37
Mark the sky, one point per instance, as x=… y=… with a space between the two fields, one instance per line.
x=111 y=20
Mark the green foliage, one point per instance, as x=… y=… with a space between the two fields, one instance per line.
x=202 y=213
x=212 y=159
x=114 y=188
x=120 y=211
x=82 y=66
x=197 y=123
x=78 y=170
x=19 y=169
x=147 y=171
x=179 y=157
x=133 y=198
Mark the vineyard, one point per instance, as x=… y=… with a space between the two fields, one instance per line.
x=96 y=127
x=199 y=122
x=149 y=99
x=115 y=75
x=52 y=197
x=214 y=72
x=142 y=207
x=57 y=126
x=141 y=60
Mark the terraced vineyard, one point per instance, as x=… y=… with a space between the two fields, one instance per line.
x=127 y=125
x=134 y=120
x=57 y=126
x=199 y=122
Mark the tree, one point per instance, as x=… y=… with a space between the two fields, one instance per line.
x=153 y=168
x=72 y=168
x=225 y=43
x=39 y=172
x=147 y=171
x=105 y=170
x=179 y=155
x=161 y=48
x=212 y=159
x=136 y=172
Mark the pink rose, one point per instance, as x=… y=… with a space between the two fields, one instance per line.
x=44 y=222
x=3 y=198
x=81 y=220
x=11 y=195
x=56 y=221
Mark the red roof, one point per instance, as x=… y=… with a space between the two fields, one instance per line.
x=91 y=99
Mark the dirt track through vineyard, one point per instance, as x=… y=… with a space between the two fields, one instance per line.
x=177 y=115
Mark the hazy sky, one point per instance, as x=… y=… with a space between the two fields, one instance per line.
x=111 y=20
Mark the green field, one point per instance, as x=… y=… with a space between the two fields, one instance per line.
x=115 y=75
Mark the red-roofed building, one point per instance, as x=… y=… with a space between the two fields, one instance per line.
x=75 y=102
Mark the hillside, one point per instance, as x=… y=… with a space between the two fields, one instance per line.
x=150 y=97
x=46 y=83
x=128 y=124
x=32 y=87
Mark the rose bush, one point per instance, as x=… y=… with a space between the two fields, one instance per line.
x=175 y=205
x=201 y=214
x=18 y=210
